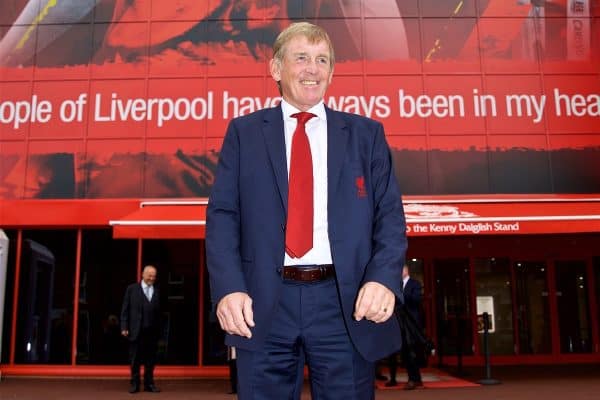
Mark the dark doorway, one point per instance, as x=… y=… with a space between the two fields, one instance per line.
x=453 y=306
x=573 y=307
x=533 y=314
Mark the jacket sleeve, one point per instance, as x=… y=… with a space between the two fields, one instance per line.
x=389 y=227
x=223 y=222
x=125 y=309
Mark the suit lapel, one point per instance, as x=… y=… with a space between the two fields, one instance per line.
x=337 y=141
x=274 y=133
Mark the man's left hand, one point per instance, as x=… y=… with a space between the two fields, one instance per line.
x=375 y=302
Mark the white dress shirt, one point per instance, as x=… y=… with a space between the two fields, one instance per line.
x=150 y=290
x=316 y=130
x=404 y=280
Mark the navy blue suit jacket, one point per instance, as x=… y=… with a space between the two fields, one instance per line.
x=246 y=219
x=412 y=298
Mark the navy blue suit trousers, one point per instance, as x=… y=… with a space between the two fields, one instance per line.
x=308 y=327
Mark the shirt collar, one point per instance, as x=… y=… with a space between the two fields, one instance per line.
x=145 y=285
x=288 y=109
x=405 y=279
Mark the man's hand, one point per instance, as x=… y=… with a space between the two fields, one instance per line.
x=125 y=332
x=235 y=314
x=375 y=302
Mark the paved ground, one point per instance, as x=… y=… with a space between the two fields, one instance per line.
x=518 y=383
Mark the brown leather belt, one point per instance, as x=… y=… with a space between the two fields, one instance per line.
x=307 y=273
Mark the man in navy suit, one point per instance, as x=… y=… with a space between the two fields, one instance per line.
x=305 y=236
x=411 y=289
x=140 y=323
x=412 y=301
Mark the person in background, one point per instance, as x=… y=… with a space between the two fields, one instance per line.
x=140 y=323
x=411 y=289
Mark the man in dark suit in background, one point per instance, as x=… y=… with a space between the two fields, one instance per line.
x=411 y=289
x=305 y=236
x=140 y=323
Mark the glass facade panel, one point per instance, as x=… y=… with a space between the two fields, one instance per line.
x=107 y=267
x=596 y=265
x=215 y=351
x=533 y=310
x=573 y=309
x=494 y=296
x=8 y=295
x=178 y=266
x=45 y=314
x=519 y=293
x=453 y=306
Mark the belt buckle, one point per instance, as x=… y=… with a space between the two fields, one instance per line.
x=323 y=271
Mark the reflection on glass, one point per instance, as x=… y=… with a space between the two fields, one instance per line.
x=597 y=284
x=46 y=297
x=107 y=267
x=178 y=265
x=453 y=307
x=492 y=280
x=532 y=302
x=8 y=295
x=214 y=349
x=573 y=311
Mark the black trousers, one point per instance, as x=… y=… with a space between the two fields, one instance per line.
x=410 y=362
x=143 y=350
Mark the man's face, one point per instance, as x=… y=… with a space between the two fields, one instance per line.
x=304 y=72
x=404 y=272
x=149 y=276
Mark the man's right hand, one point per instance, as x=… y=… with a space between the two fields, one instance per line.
x=235 y=314
x=125 y=332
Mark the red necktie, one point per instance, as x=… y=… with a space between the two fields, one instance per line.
x=299 y=229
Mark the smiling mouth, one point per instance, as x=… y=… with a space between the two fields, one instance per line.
x=309 y=83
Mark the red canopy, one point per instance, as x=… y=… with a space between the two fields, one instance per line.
x=163 y=220
x=502 y=215
x=425 y=216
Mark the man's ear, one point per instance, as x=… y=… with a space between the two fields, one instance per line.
x=275 y=68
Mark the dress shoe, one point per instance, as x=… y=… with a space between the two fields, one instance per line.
x=391 y=384
x=151 y=388
x=410 y=385
x=134 y=388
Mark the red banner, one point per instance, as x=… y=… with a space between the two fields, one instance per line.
x=491 y=96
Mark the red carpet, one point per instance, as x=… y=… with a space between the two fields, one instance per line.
x=432 y=379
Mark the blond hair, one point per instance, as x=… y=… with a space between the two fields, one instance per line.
x=313 y=33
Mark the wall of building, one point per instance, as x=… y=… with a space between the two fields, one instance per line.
x=128 y=99
x=106 y=102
